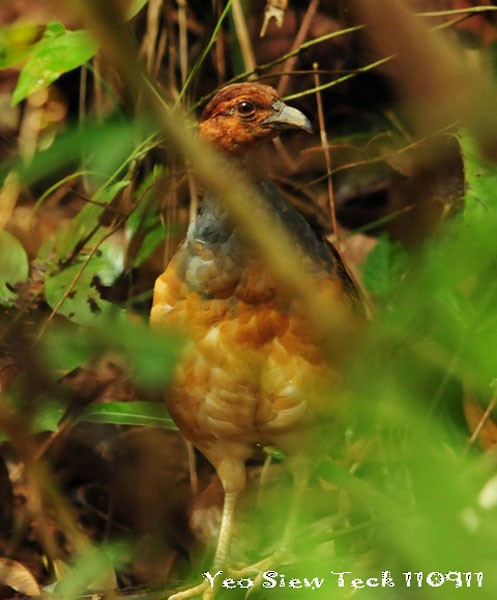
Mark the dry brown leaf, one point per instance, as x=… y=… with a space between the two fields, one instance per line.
x=15 y=575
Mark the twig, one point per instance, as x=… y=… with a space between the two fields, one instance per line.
x=206 y=51
x=151 y=33
x=299 y=39
x=457 y=11
x=220 y=52
x=192 y=467
x=183 y=40
x=279 y=60
x=325 y=86
x=243 y=36
x=327 y=158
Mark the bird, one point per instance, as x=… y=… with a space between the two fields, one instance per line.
x=254 y=369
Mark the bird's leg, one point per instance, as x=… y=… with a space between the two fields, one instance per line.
x=233 y=479
x=300 y=473
x=223 y=542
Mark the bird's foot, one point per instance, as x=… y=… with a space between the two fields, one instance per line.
x=258 y=569
x=279 y=556
x=205 y=590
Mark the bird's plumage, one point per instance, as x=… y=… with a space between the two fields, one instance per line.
x=254 y=370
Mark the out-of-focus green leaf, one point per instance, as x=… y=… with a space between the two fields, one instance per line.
x=64 y=350
x=83 y=303
x=456 y=306
x=481 y=179
x=275 y=453
x=151 y=355
x=92 y=570
x=14 y=265
x=154 y=235
x=135 y=8
x=146 y=414
x=104 y=148
x=81 y=226
x=384 y=268
x=49 y=416
x=58 y=52
x=15 y=42
x=144 y=225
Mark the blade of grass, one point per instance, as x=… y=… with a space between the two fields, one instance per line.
x=196 y=67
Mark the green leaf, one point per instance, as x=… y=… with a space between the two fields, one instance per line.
x=150 y=354
x=14 y=265
x=275 y=453
x=144 y=225
x=94 y=569
x=384 y=268
x=58 y=52
x=63 y=351
x=106 y=149
x=146 y=414
x=481 y=180
x=135 y=8
x=15 y=42
x=82 y=225
x=49 y=416
x=83 y=303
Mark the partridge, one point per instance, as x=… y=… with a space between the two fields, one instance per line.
x=255 y=369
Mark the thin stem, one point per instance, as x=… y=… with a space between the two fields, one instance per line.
x=207 y=49
x=299 y=40
x=243 y=36
x=327 y=157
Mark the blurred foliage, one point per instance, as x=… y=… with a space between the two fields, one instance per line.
x=13 y=265
x=384 y=268
x=89 y=219
x=58 y=52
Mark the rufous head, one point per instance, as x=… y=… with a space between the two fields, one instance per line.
x=245 y=115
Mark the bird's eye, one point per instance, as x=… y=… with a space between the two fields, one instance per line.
x=245 y=108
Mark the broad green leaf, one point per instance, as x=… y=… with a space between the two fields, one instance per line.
x=14 y=265
x=146 y=414
x=82 y=304
x=58 y=52
x=64 y=351
x=16 y=41
x=384 y=267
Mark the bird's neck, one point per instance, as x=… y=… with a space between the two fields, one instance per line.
x=214 y=222
x=238 y=169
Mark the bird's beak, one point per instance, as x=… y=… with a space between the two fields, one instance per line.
x=288 y=118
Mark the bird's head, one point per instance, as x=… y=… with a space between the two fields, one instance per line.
x=245 y=115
